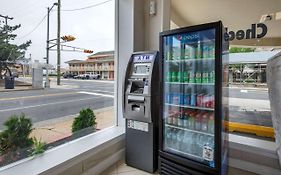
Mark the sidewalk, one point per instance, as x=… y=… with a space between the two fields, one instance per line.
x=19 y=86
x=55 y=129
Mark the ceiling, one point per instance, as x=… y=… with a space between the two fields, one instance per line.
x=235 y=14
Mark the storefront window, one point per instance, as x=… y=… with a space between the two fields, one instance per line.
x=40 y=109
x=254 y=37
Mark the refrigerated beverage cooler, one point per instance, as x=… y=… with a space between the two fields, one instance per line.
x=194 y=66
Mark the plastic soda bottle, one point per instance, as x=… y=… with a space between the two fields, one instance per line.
x=205 y=51
x=185 y=77
x=205 y=77
x=193 y=100
x=174 y=76
x=204 y=125
x=181 y=118
x=168 y=77
x=198 y=51
x=212 y=77
x=185 y=119
x=180 y=77
x=198 y=77
x=191 y=119
x=211 y=53
x=198 y=121
x=168 y=136
x=191 y=77
x=211 y=123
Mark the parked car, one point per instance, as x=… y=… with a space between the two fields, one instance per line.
x=96 y=76
x=80 y=76
x=68 y=75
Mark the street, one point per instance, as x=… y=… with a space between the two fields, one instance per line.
x=40 y=105
x=246 y=105
x=249 y=106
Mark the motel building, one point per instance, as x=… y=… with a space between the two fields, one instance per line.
x=101 y=63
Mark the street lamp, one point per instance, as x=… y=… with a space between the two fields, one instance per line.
x=48 y=41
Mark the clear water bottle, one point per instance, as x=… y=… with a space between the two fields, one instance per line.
x=187 y=142
x=193 y=143
x=175 y=144
x=200 y=144
x=168 y=137
x=180 y=137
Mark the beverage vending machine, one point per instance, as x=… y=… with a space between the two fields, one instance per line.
x=194 y=66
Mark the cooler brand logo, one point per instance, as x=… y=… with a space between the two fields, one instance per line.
x=188 y=37
x=248 y=34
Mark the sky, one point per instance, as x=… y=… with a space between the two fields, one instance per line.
x=93 y=27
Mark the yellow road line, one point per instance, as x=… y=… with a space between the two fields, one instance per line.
x=36 y=96
x=262 y=131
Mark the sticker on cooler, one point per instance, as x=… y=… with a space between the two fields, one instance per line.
x=208 y=153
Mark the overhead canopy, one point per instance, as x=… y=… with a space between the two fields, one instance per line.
x=235 y=14
x=252 y=57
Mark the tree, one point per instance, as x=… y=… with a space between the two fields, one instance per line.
x=9 y=52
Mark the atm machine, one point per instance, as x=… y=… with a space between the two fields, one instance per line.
x=141 y=110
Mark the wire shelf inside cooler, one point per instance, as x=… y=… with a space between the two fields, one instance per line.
x=191 y=107
x=203 y=84
x=190 y=60
x=190 y=130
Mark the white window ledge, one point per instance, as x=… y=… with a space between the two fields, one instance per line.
x=94 y=142
x=59 y=155
x=253 y=155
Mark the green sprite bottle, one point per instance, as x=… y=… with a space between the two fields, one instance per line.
x=179 y=76
x=174 y=77
x=185 y=77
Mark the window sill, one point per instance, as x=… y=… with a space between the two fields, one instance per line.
x=253 y=155
x=241 y=149
x=59 y=155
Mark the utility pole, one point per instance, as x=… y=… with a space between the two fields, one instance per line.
x=47 y=49
x=58 y=45
x=48 y=43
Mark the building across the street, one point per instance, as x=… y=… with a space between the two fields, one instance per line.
x=101 y=63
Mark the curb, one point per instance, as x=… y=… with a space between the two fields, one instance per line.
x=21 y=89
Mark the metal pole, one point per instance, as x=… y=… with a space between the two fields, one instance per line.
x=47 y=49
x=58 y=45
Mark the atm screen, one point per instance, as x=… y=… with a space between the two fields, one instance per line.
x=142 y=69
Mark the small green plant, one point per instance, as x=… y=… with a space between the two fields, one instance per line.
x=38 y=146
x=16 y=134
x=85 y=119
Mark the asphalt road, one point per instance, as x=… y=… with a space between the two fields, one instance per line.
x=40 y=105
x=69 y=99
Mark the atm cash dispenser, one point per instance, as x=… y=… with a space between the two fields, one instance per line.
x=141 y=110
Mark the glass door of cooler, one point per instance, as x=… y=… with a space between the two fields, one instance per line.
x=189 y=79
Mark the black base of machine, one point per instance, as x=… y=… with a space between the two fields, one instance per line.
x=141 y=148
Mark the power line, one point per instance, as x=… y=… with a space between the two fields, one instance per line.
x=41 y=21
x=83 y=8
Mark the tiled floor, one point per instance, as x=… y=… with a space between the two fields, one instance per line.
x=120 y=168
